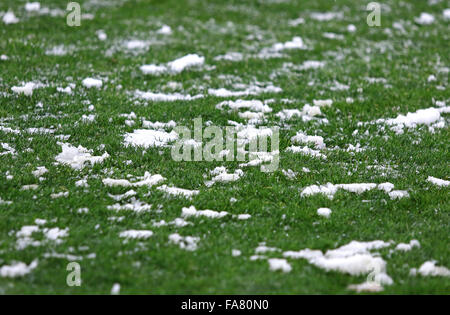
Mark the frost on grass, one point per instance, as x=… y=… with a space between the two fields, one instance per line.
x=76 y=157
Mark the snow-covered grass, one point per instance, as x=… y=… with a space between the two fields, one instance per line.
x=88 y=116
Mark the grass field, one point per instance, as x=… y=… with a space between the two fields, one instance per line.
x=371 y=74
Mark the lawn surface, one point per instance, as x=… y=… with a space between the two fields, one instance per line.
x=369 y=73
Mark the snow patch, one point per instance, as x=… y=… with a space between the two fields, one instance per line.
x=424 y=19
x=295 y=43
x=279 y=264
x=91 y=82
x=136 y=234
x=134 y=205
x=26 y=89
x=438 y=181
x=18 y=269
x=189 y=243
x=164 y=30
x=10 y=18
x=429 y=268
x=249 y=90
x=175 y=191
x=163 y=97
x=76 y=157
x=32 y=6
x=150 y=138
x=354 y=259
x=174 y=67
x=330 y=189
x=221 y=176
x=193 y=212
x=407 y=247
x=324 y=212
x=146 y=180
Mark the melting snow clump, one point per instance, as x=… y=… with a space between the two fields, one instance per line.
x=279 y=264
x=438 y=181
x=174 y=67
x=76 y=157
x=18 y=269
x=324 y=212
x=188 y=243
x=150 y=138
x=136 y=234
x=191 y=211
x=429 y=268
x=10 y=18
x=90 y=82
x=26 y=89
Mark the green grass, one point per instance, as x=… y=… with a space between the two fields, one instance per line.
x=280 y=217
